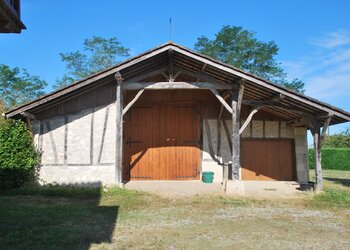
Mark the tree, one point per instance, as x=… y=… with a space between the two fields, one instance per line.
x=238 y=47
x=18 y=156
x=340 y=140
x=18 y=86
x=296 y=84
x=98 y=54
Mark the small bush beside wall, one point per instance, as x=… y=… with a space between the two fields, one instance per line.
x=332 y=158
x=18 y=156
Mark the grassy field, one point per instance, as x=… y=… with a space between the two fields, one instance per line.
x=57 y=218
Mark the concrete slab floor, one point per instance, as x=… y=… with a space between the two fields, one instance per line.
x=272 y=189
x=254 y=189
x=177 y=188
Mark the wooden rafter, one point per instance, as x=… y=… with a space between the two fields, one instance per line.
x=174 y=85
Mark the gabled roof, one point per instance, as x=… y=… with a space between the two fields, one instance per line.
x=191 y=62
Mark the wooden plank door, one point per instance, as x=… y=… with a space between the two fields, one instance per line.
x=141 y=139
x=162 y=142
x=267 y=160
x=188 y=145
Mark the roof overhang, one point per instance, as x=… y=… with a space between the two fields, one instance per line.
x=10 y=21
x=293 y=106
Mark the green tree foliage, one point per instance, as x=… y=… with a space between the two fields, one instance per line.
x=296 y=84
x=18 y=86
x=341 y=140
x=98 y=54
x=18 y=156
x=238 y=47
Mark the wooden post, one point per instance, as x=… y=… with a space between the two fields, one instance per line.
x=318 y=137
x=119 y=130
x=237 y=95
x=317 y=154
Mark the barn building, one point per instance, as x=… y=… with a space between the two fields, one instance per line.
x=171 y=114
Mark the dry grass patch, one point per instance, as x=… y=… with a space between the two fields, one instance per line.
x=56 y=218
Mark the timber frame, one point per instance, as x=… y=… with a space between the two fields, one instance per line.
x=171 y=66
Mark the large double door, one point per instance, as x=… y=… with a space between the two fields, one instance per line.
x=162 y=142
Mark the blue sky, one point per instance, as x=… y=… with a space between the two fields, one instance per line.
x=313 y=36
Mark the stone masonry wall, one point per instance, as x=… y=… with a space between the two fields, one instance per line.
x=78 y=148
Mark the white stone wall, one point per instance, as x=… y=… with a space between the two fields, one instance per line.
x=210 y=163
x=78 y=148
x=301 y=154
x=78 y=175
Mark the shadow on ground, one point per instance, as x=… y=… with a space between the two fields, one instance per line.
x=36 y=218
x=344 y=182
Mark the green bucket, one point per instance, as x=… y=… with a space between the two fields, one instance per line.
x=207 y=177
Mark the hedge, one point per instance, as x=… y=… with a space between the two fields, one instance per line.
x=18 y=156
x=332 y=158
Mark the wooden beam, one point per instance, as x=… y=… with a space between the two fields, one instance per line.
x=171 y=65
x=325 y=127
x=119 y=130
x=177 y=74
x=223 y=102
x=29 y=115
x=249 y=118
x=318 y=140
x=240 y=96
x=125 y=110
x=174 y=85
x=29 y=118
x=275 y=104
x=318 y=136
x=226 y=95
x=317 y=155
x=218 y=144
x=237 y=95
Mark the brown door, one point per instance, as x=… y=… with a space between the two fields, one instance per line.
x=267 y=160
x=162 y=142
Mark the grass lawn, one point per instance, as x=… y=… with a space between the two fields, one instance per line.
x=56 y=218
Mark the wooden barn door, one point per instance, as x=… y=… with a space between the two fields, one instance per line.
x=162 y=142
x=267 y=160
x=141 y=128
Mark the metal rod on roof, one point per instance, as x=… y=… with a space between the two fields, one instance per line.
x=170 y=28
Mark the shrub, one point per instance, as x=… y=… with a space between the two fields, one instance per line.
x=18 y=156
x=332 y=158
